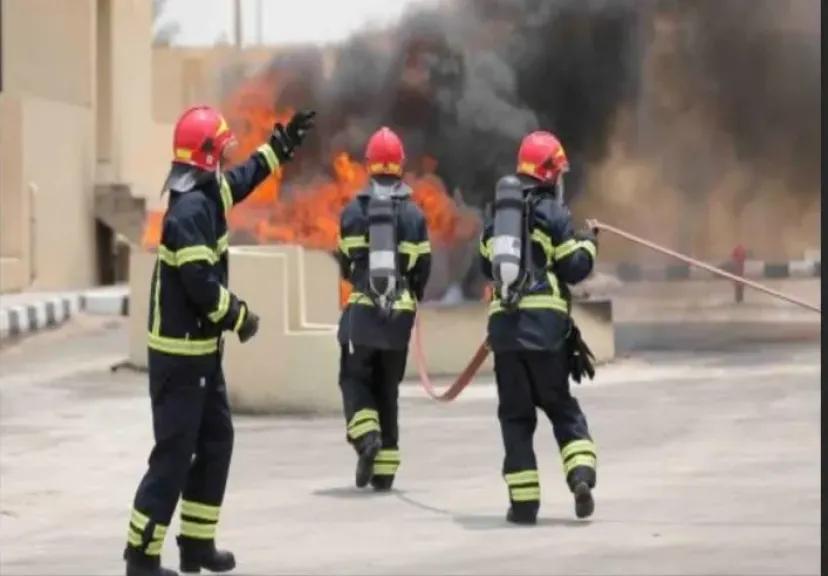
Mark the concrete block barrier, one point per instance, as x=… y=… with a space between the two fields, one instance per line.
x=292 y=365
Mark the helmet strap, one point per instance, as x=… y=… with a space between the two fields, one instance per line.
x=559 y=188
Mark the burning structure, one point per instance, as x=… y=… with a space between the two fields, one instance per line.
x=463 y=80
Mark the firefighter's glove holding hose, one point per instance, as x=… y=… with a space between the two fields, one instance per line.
x=580 y=356
x=249 y=325
x=286 y=139
x=589 y=233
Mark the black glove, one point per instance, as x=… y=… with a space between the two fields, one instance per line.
x=579 y=355
x=249 y=326
x=285 y=139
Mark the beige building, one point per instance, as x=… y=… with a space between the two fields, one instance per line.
x=86 y=112
x=75 y=114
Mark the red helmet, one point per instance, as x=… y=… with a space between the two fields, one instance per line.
x=201 y=140
x=542 y=156
x=384 y=153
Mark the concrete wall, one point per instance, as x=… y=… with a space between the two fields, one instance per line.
x=46 y=209
x=292 y=364
x=76 y=109
x=47 y=140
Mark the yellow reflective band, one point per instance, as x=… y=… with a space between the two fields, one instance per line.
x=525 y=494
x=200 y=511
x=135 y=534
x=406 y=301
x=388 y=455
x=533 y=302
x=589 y=247
x=554 y=286
x=182 y=346
x=413 y=250
x=226 y=194
x=134 y=538
x=223 y=245
x=346 y=243
x=194 y=254
x=183 y=154
x=580 y=461
x=486 y=248
x=384 y=469
x=522 y=477
x=154 y=548
x=138 y=519
x=223 y=306
x=359 y=430
x=240 y=320
x=572 y=245
x=197 y=530
x=269 y=156
x=545 y=243
x=578 y=447
x=363 y=422
x=186 y=255
x=387 y=462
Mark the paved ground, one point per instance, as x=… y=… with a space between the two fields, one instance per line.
x=710 y=464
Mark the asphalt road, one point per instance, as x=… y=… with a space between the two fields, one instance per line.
x=709 y=464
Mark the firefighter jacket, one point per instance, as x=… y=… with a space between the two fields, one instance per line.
x=362 y=323
x=190 y=304
x=541 y=319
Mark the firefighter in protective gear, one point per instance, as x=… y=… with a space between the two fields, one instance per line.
x=531 y=253
x=190 y=308
x=385 y=254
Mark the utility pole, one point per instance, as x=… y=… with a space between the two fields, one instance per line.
x=237 y=22
x=260 y=22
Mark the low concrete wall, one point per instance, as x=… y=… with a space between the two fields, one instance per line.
x=452 y=334
x=292 y=364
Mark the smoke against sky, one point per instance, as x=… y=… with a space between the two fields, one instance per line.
x=705 y=112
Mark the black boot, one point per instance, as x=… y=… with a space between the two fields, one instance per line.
x=198 y=554
x=382 y=483
x=523 y=513
x=584 y=502
x=369 y=447
x=139 y=564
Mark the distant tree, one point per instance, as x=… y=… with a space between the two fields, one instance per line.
x=163 y=34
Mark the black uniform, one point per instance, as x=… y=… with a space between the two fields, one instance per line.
x=374 y=342
x=531 y=356
x=190 y=308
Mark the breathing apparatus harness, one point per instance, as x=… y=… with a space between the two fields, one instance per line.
x=514 y=212
x=511 y=242
x=385 y=283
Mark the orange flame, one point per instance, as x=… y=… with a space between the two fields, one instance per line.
x=309 y=216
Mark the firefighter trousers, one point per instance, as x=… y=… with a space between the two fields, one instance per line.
x=528 y=381
x=370 y=382
x=193 y=432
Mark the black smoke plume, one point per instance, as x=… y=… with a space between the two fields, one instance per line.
x=463 y=80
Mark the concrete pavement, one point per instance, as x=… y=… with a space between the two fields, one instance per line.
x=709 y=464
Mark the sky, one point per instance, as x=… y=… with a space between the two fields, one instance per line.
x=202 y=22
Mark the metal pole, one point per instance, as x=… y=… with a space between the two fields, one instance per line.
x=260 y=22
x=237 y=22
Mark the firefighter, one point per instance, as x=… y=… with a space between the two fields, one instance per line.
x=385 y=254
x=531 y=254
x=190 y=308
